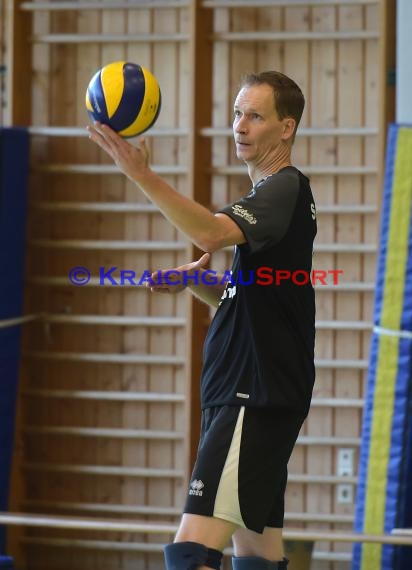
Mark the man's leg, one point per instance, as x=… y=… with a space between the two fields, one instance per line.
x=254 y=551
x=199 y=543
x=268 y=545
x=212 y=494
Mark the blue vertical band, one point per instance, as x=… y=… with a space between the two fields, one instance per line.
x=384 y=498
x=14 y=165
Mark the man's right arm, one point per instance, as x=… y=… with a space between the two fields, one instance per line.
x=209 y=293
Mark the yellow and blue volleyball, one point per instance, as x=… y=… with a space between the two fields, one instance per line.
x=126 y=96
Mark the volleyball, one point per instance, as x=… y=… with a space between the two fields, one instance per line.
x=126 y=96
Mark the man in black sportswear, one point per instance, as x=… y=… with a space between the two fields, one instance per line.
x=258 y=369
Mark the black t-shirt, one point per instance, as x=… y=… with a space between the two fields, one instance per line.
x=259 y=350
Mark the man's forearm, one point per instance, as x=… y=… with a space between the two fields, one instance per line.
x=209 y=293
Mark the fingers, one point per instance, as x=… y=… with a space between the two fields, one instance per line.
x=99 y=134
x=162 y=288
x=204 y=260
x=156 y=287
x=155 y=283
x=159 y=289
x=158 y=278
x=142 y=146
x=104 y=136
x=105 y=131
x=129 y=158
x=167 y=277
x=96 y=136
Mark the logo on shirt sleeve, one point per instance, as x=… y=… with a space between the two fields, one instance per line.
x=243 y=213
x=196 y=487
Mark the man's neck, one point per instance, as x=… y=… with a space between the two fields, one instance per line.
x=260 y=171
x=260 y=174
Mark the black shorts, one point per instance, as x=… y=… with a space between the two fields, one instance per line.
x=241 y=468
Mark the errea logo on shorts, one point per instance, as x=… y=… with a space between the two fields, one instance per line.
x=196 y=487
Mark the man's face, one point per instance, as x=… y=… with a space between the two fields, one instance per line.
x=256 y=126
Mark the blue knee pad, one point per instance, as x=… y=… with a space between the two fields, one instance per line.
x=190 y=555
x=257 y=563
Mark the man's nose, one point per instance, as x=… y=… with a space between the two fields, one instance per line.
x=241 y=125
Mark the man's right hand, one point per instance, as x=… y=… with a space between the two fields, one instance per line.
x=164 y=284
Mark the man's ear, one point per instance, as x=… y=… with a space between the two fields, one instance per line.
x=289 y=125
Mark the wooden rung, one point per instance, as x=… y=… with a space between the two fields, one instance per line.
x=168 y=511
x=141 y=472
x=51 y=131
x=342 y=364
x=122 y=433
x=320 y=517
x=65 y=282
x=402 y=531
x=327 y=556
x=111 y=396
x=309 y=170
x=131 y=526
x=257 y=36
x=150 y=547
x=153 y=547
x=113 y=245
x=124 y=245
x=103 y=470
x=104 y=545
x=349 y=287
x=108 y=358
x=345 y=248
x=164 y=170
x=267 y=36
x=338 y=402
x=339 y=536
x=283 y=3
x=104 y=508
x=346 y=209
x=309 y=479
x=110 y=207
x=113 y=5
x=301 y=478
x=145 y=547
x=78 y=39
x=113 y=320
x=137 y=208
x=79 y=523
x=339 y=170
x=329 y=441
x=174 y=170
x=155 y=4
x=152 y=359
x=302 y=131
x=344 y=325
x=105 y=433
x=126 y=321
x=93 y=282
x=17 y=321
